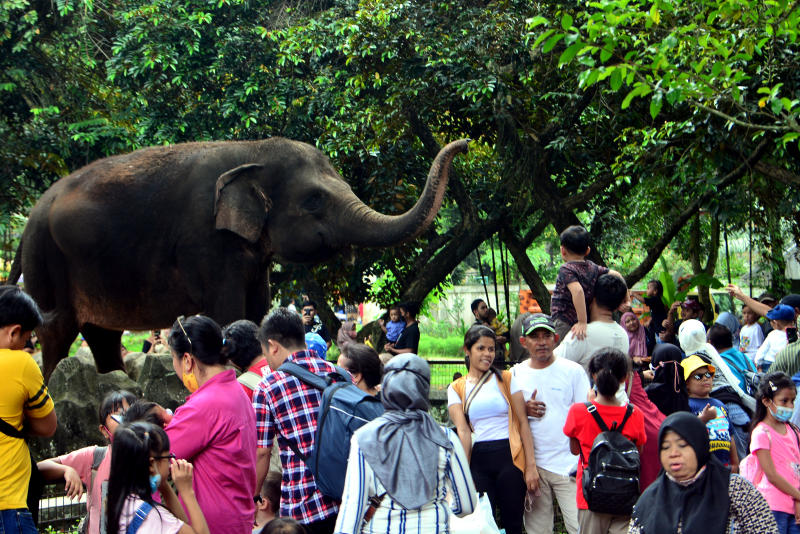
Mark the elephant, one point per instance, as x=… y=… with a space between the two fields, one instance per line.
x=131 y=241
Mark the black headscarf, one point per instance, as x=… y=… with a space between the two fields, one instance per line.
x=668 y=389
x=703 y=505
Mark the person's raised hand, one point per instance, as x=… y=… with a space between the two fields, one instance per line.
x=182 y=474
x=735 y=291
x=708 y=413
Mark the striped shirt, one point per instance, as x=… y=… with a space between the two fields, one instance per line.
x=391 y=518
x=287 y=408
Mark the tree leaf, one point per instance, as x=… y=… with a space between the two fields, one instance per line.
x=569 y=53
x=655 y=105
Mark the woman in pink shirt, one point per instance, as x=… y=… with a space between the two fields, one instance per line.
x=215 y=429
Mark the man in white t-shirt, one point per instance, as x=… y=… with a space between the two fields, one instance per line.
x=602 y=331
x=550 y=386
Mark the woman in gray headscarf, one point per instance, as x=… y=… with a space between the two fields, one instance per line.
x=403 y=464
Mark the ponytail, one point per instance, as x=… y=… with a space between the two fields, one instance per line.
x=609 y=367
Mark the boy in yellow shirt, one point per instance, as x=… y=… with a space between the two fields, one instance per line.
x=25 y=407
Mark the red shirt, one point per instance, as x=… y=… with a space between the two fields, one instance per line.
x=260 y=368
x=582 y=426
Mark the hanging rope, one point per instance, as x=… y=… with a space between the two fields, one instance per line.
x=494 y=273
x=750 y=236
x=506 y=269
x=480 y=269
x=727 y=254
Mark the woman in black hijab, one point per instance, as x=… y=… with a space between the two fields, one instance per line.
x=695 y=492
x=668 y=389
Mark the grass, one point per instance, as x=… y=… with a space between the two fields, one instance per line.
x=132 y=341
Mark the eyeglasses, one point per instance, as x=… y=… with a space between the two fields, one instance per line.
x=180 y=323
x=171 y=456
x=118 y=418
x=707 y=374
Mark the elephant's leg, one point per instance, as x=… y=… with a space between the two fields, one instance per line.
x=56 y=335
x=258 y=299
x=105 y=345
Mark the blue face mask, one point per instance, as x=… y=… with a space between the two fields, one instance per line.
x=782 y=413
x=155 y=481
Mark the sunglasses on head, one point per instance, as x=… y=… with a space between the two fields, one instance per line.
x=181 y=319
x=700 y=376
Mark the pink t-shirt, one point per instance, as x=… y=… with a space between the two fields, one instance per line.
x=785 y=455
x=81 y=461
x=216 y=431
x=158 y=521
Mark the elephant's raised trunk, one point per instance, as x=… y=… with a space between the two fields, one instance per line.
x=373 y=229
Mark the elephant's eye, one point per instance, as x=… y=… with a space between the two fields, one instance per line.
x=314 y=203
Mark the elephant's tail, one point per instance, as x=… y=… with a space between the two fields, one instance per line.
x=16 y=266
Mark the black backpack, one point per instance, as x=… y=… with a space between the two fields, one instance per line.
x=611 y=476
x=343 y=409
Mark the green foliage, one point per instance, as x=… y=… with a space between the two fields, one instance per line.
x=615 y=114
x=729 y=58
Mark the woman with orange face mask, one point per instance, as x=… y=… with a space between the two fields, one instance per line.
x=215 y=429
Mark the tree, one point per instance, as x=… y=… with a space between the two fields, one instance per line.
x=558 y=137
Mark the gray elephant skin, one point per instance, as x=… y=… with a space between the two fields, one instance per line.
x=135 y=240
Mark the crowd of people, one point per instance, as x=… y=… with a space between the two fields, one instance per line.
x=624 y=424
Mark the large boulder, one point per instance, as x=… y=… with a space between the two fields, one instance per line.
x=77 y=390
x=133 y=364
x=160 y=383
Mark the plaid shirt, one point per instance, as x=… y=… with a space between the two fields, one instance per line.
x=287 y=407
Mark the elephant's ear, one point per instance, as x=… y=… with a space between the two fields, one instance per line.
x=240 y=205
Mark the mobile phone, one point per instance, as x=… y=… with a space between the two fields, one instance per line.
x=791 y=334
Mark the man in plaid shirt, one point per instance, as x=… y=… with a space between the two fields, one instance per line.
x=286 y=410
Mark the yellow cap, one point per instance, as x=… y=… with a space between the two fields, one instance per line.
x=693 y=363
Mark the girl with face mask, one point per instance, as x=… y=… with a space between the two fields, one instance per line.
x=776 y=444
x=141 y=465
x=216 y=428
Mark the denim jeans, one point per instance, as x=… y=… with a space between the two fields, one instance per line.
x=17 y=521
x=786 y=524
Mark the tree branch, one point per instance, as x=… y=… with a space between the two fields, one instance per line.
x=518 y=250
x=456 y=185
x=777 y=173
x=569 y=118
x=654 y=252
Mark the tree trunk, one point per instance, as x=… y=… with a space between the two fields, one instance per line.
x=528 y=271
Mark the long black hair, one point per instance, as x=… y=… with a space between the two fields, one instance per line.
x=472 y=336
x=134 y=444
x=609 y=367
x=768 y=387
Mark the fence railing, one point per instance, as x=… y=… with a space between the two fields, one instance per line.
x=442 y=372
x=59 y=512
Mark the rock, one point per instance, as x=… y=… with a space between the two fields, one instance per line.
x=77 y=391
x=133 y=364
x=37 y=357
x=85 y=355
x=159 y=382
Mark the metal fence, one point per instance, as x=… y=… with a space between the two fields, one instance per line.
x=57 y=512
x=443 y=371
